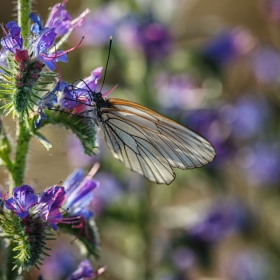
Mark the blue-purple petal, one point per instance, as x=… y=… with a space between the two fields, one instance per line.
x=73 y=180
x=81 y=192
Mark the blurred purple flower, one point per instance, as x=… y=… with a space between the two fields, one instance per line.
x=260 y=163
x=228 y=45
x=183 y=258
x=85 y=272
x=79 y=193
x=99 y=26
x=109 y=191
x=248 y=265
x=224 y=218
x=175 y=92
x=61 y=262
x=23 y=199
x=75 y=154
x=266 y=66
x=270 y=9
x=152 y=37
x=155 y=40
x=247 y=116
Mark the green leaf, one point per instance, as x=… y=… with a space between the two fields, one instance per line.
x=83 y=128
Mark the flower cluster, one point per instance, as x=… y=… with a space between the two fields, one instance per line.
x=30 y=61
x=31 y=215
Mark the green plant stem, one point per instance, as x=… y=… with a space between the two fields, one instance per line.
x=24 y=8
x=23 y=137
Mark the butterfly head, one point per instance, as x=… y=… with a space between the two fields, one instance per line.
x=96 y=97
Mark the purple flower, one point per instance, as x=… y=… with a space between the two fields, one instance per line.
x=85 y=272
x=41 y=46
x=78 y=98
x=61 y=20
x=13 y=39
x=80 y=92
x=50 y=202
x=57 y=25
x=79 y=193
x=36 y=27
x=92 y=80
x=23 y=199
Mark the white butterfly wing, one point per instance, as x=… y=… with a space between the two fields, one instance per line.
x=151 y=144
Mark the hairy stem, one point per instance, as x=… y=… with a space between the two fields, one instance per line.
x=24 y=8
x=23 y=137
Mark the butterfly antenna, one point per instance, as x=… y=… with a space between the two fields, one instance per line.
x=80 y=80
x=110 y=46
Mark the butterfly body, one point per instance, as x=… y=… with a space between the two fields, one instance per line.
x=147 y=142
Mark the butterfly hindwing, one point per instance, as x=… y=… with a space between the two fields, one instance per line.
x=135 y=150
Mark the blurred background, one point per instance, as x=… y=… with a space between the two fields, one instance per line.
x=213 y=66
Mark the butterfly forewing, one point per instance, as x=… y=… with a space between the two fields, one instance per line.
x=149 y=143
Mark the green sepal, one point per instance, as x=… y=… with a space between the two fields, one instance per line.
x=50 y=74
x=87 y=236
x=6 y=71
x=83 y=128
x=43 y=140
x=27 y=239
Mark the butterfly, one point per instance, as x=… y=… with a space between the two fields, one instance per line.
x=147 y=142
